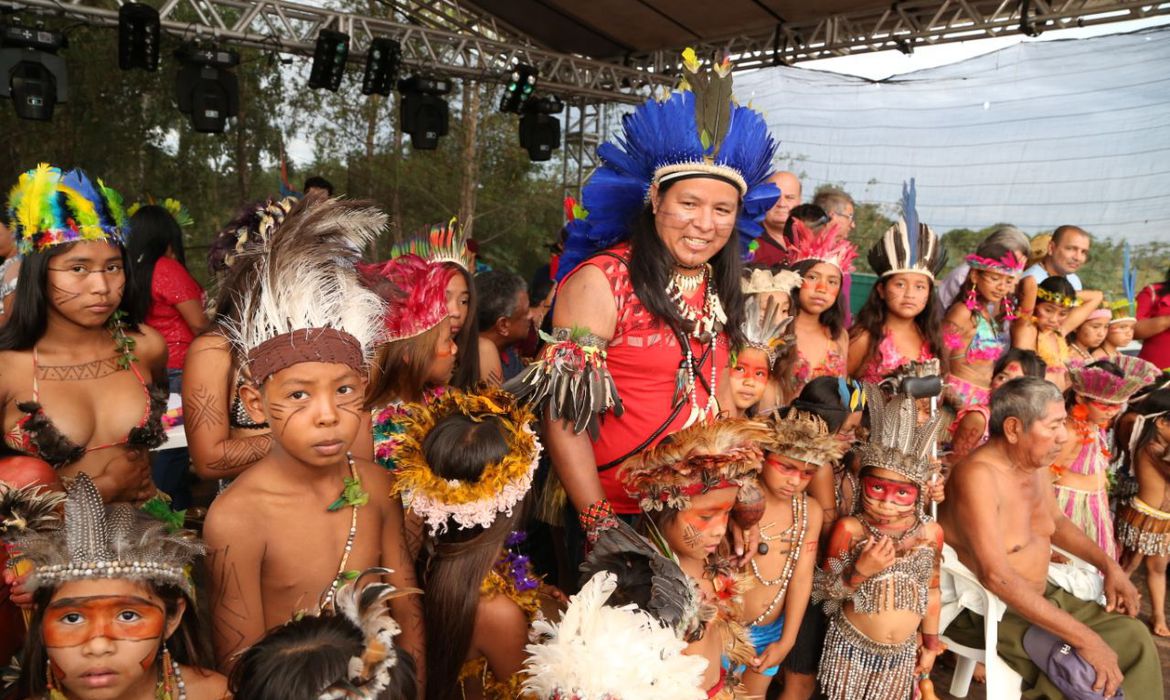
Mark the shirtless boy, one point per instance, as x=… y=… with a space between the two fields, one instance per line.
x=1001 y=517
x=294 y=525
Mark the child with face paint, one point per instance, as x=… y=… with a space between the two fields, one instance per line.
x=1043 y=331
x=689 y=487
x=969 y=429
x=1081 y=472
x=774 y=286
x=297 y=521
x=783 y=566
x=880 y=579
x=822 y=258
x=418 y=356
x=751 y=365
x=127 y=633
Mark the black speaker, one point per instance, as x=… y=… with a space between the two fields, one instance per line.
x=139 y=32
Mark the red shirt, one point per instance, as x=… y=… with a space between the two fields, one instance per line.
x=768 y=252
x=172 y=285
x=1155 y=349
x=644 y=358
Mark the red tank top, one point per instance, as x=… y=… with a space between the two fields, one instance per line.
x=644 y=358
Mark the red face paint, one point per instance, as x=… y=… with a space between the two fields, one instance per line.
x=751 y=364
x=899 y=493
x=72 y=622
x=804 y=470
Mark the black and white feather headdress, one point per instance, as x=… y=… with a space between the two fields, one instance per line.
x=908 y=245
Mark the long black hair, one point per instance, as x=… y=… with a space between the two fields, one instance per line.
x=30 y=308
x=833 y=317
x=651 y=268
x=452 y=564
x=466 y=374
x=872 y=319
x=152 y=232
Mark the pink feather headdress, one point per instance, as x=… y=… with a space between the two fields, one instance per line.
x=1010 y=264
x=829 y=245
x=1099 y=384
x=417 y=302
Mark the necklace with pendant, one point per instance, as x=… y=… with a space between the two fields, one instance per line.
x=353 y=496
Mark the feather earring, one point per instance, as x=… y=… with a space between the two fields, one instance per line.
x=972 y=300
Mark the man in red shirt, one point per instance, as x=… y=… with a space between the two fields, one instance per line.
x=771 y=243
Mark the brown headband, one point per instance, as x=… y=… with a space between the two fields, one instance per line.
x=305 y=345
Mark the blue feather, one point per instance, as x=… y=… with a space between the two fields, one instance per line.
x=1128 y=278
x=910 y=215
x=78 y=180
x=658 y=134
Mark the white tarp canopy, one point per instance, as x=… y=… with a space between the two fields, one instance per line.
x=1039 y=134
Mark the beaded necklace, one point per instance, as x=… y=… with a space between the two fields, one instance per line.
x=353 y=496
x=799 y=515
x=898 y=539
x=705 y=327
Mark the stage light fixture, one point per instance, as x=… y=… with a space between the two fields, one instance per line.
x=329 y=57
x=31 y=72
x=206 y=89
x=382 y=63
x=139 y=32
x=540 y=131
x=521 y=83
x=424 y=111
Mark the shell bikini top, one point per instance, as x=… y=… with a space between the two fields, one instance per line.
x=36 y=434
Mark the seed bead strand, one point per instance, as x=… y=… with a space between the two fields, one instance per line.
x=799 y=513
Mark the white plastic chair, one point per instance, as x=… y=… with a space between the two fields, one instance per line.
x=1002 y=682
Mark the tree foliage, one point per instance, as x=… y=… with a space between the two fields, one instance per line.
x=124 y=127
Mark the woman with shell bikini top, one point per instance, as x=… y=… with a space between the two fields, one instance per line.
x=77 y=388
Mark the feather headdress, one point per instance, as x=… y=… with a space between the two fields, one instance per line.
x=896 y=440
x=805 y=437
x=106 y=542
x=31 y=508
x=1010 y=264
x=499 y=488
x=1124 y=310
x=418 y=303
x=306 y=302
x=1097 y=383
x=50 y=207
x=908 y=245
x=649 y=579
x=764 y=282
x=695 y=460
x=602 y=652
x=764 y=328
x=173 y=206
x=695 y=132
x=249 y=230
x=438 y=244
x=829 y=245
x=366 y=606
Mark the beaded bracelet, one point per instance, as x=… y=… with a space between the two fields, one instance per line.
x=597 y=518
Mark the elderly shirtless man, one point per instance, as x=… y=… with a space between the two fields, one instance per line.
x=1001 y=517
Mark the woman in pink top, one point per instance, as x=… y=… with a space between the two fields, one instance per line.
x=1153 y=325
x=171 y=302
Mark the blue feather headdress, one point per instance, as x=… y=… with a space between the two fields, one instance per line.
x=49 y=207
x=698 y=131
x=1126 y=309
x=908 y=245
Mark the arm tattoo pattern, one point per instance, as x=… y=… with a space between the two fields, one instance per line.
x=242 y=452
x=203 y=409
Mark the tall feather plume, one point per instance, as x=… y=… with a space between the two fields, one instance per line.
x=305 y=276
x=910 y=214
x=30 y=195
x=896 y=440
x=86 y=535
x=1129 y=279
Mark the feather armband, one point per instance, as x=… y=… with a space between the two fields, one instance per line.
x=829 y=585
x=572 y=377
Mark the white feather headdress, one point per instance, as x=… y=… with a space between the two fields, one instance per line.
x=307 y=302
x=598 y=652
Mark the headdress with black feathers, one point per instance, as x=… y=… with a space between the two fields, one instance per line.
x=908 y=245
